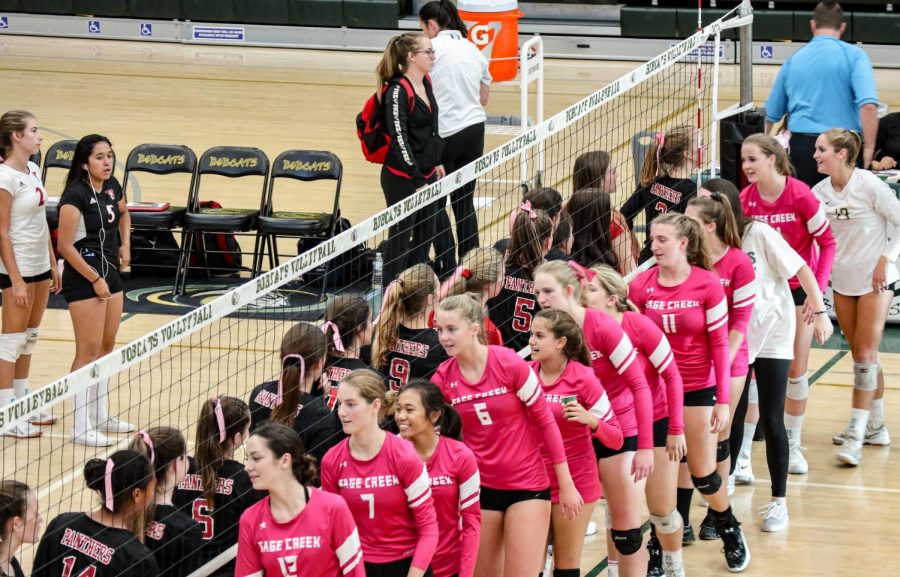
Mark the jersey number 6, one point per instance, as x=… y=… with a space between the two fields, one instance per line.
x=482 y=413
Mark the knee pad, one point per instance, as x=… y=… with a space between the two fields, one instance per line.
x=627 y=542
x=798 y=389
x=865 y=376
x=723 y=450
x=11 y=345
x=708 y=485
x=753 y=393
x=31 y=339
x=667 y=524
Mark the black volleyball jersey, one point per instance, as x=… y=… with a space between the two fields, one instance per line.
x=664 y=194
x=99 y=223
x=513 y=308
x=219 y=523
x=416 y=355
x=336 y=368
x=175 y=540
x=75 y=545
x=315 y=421
x=16 y=568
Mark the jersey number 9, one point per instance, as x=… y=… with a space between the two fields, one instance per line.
x=399 y=373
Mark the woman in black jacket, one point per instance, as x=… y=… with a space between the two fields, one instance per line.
x=413 y=160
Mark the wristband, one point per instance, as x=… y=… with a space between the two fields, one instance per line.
x=96 y=279
x=820 y=312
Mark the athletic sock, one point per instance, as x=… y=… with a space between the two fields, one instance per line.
x=673 y=559
x=684 y=504
x=747 y=441
x=858 y=420
x=794 y=426
x=612 y=569
x=20 y=386
x=876 y=414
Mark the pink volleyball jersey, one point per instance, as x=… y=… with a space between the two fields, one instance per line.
x=390 y=499
x=694 y=317
x=504 y=418
x=655 y=355
x=456 y=488
x=613 y=356
x=321 y=540
x=735 y=270
x=580 y=381
x=798 y=216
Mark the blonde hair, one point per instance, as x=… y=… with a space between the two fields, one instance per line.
x=479 y=269
x=393 y=61
x=614 y=285
x=564 y=275
x=697 y=253
x=843 y=139
x=407 y=296
x=468 y=307
x=370 y=386
x=771 y=147
x=14 y=121
x=668 y=151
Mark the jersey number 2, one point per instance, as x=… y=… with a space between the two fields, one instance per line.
x=69 y=564
x=200 y=512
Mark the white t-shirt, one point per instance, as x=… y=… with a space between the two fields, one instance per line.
x=860 y=216
x=771 y=331
x=457 y=76
x=28 y=229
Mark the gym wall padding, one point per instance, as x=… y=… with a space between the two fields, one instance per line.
x=649 y=22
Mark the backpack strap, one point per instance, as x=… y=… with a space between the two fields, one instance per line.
x=410 y=92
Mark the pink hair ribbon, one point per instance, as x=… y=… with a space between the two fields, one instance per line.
x=145 y=437
x=107 y=482
x=660 y=142
x=284 y=365
x=220 y=417
x=585 y=275
x=335 y=335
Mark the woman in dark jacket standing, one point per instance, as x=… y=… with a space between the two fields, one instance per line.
x=413 y=161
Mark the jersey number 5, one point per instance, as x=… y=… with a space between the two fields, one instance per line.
x=68 y=567
x=482 y=413
x=399 y=373
x=110 y=214
x=522 y=314
x=200 y=512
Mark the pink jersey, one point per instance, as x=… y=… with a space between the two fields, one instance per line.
x=321 y=540
x=656 y=357
x=798 y=216
x=613 y=357
x=735 y=270
x=694 y=317
x=504 y=419
x=580 y=381
x=390 y=499
x=456 y=488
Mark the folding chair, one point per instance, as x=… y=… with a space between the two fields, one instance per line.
x=307 y=166
x=158 y=159
x=230 y=162
x=36 y=158
x=59 y=155
x=640 y=144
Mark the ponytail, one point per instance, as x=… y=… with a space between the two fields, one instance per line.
x=393 y=61
x=445 y=15
x=668 y=150
x=530 y=231
x=221 y=419
x=406 y=296
x=302 y=346
x=716 y=209
x=843 y=139
x=478 y=270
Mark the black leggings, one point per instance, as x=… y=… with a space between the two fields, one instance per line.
x=460 y=149
x=409 y=240
x=771 y=382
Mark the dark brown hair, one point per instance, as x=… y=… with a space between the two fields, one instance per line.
x=13 y=502
x=167 y=445
x=350 y=313
x=561 y=324
x=448 y=422
x=444 y=14
x=590 y=169
x=283 y=440
x=209 y=449
x=302 y=339
x=14 y=121
x=591 y=211
x=727 y=189
x=527 y=239
x=828 y=14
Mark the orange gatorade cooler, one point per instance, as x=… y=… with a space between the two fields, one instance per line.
x=494 y=28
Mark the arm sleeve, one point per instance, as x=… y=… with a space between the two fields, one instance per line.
x=396 y=124
x=531 y=394
x=348 y=549
x=817 y=224
x=248 y=562
x=414 y=477
x=662 y=358
x=887 y=205
x=743 y=297
x=470 y=512
x=596 y=401
x=863 y=80
x=777 y=103
x=623 y=358
x=717 y=336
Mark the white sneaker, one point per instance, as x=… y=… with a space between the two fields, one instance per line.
x=591 y=529
x=878 y=436
x=703 y=502
x=43 y=419
x=91 y=438
x=731 y=481
x=850 y=452
x=114 y=425
x=775 y=516
x=743 y=470
x=24 y=431
x=797 y=464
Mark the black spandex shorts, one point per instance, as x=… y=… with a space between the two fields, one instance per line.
x=660 y=432
x=398 y=568
x=602 y=452
x=799 y=296
x=702 y=398
x=77 y=288
x=6 y=282
x=503 y=499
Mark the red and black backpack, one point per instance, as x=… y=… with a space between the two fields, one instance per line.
x=373 y=138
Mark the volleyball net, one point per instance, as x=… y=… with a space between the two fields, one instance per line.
x=230 y=344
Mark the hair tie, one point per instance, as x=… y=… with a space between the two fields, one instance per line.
x=107 y=483
x=284 y=365
x=335 y=335
x=585 y=275
x=145 y=437
x=220 y=417
x=715 y=195
x=660 y=142
x=465 y=273
x=526 y=208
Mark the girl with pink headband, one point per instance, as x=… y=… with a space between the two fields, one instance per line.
x=348 y=329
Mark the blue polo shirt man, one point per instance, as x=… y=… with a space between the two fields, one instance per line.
x=826 y=84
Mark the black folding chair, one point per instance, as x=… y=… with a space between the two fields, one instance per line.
x=307 y=166
x=59 y=155
x=230 y=162
x=36 y=158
